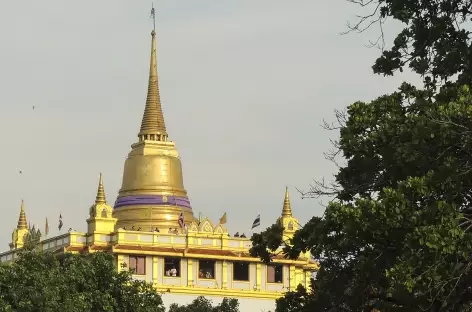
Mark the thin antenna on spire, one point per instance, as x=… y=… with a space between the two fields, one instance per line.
x=153 y=16
x=153 y=127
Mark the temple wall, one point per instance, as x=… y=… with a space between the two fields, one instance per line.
x=263 y=277
x=154 y=273
x=286 y=274
x=184 y=269
x=149 y=269
x=252 y=274
x=219 y=273
x=153 y=248
x=230 y=274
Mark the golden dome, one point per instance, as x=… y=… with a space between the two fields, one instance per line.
x=152 y=193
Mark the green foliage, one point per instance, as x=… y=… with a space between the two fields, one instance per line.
x=43 y=282
x=268 y=240
x=397 y=237
x=201 y=304
x=298 y=300
x=435 y=41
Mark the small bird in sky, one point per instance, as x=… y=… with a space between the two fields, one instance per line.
x=20 y=172
x=33 y=107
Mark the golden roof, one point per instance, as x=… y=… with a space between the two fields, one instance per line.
x=152 y=125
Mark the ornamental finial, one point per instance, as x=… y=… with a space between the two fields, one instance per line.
x=22 y=220
x=100 y=199
x=152 y=126
x=287 y=209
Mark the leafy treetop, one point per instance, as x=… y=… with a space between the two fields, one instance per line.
x=42 y=282
x=397 y=237
x=201 y=304
x=435 y=41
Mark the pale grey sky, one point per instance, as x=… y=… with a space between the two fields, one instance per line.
x=245 y=86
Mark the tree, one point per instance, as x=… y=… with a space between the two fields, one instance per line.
x=397 y=235
x=201 y=304
x=435 y=41
x=45 y=282
x=298 y=300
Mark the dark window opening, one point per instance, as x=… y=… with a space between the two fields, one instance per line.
x=241 y=271
x=275 y=273
x=172 y=267
x=206 y=269
x=137 y=264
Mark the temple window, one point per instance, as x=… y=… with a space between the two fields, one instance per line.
x=137 y=264
x=206 y=269
x=172 y=267
x=275 y=273
x=290 y=226
x=241 y=271
x=104 y=213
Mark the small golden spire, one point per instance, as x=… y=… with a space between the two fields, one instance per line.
x=100 y=199
x=153 y=126
x=22 y=220
x=287 y=209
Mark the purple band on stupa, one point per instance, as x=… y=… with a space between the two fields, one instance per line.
x=152 y=200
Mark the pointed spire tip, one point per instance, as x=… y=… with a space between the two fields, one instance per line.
x=101 y=198
x=287 y=209
x=152 y=125
x=22 y=219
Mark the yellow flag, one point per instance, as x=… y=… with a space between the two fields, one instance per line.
x=223 y=219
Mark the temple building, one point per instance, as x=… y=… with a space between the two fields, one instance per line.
x=152 y=230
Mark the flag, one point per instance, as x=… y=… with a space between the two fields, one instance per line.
x=223 y=219
x=181 y=220
x=60 y=222
x=46 y=228
x=182 y=223
x=153 y=13
x=256 y=222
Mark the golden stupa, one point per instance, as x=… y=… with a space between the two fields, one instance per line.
x=152 y=194
x=184 y=259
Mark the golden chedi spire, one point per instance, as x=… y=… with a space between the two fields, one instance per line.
x=152 y=125
x=22 y=219
x=101 y=214
x=19 y=234
x=286 y=220
x=100 y=199
x=287 y=209
x=152 y=194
